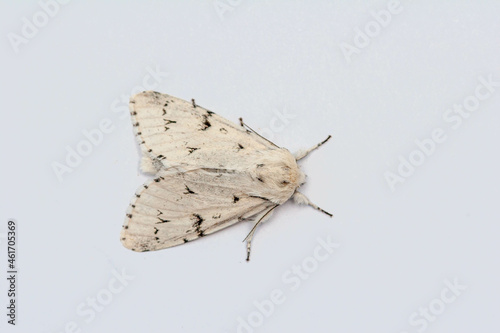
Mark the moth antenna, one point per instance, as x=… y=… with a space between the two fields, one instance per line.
x=249 y=237
x=249 y=128
x=303 y=200
x=301 y=154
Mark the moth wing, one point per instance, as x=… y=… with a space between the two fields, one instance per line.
x=178 y=207
x=172 y=132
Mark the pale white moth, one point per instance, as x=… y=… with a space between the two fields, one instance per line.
x=209 y=174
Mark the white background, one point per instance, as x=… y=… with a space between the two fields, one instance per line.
x=259 y=60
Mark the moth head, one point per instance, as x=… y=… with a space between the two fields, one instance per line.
x=297 y=177
x=304 y=181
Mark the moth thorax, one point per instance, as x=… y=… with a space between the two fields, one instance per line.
x=282 y=172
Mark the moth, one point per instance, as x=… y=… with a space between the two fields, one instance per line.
x=208 y=174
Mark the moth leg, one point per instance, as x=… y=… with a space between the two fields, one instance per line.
x=249 y=244
x=249 y=237
x=303 y=200
x=303 y=153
